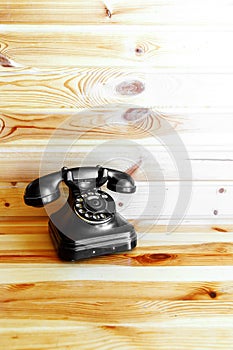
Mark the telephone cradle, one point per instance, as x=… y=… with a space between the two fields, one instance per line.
x=87 y=224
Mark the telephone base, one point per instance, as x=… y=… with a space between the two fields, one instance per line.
x=105 y=244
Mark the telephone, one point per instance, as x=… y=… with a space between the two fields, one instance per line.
x=87 y=225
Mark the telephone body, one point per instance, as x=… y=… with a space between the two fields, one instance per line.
x=88 y=224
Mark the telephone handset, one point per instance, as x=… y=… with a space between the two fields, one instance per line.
x=88 y=224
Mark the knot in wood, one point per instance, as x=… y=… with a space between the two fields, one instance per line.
x=2 y=125
x=130 y=87
x=4 y=61
x=108 y=12
x=139 y=51
x=135 y=114
x=212 y=294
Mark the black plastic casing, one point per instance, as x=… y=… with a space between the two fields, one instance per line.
x=75 y=239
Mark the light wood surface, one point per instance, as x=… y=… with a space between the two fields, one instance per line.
x=208 y=202
x=136 y=300
x=57 y=46
x=71 y=89
x=116 y=12
x=20 y=163
x=115 y=121
x=146 y=87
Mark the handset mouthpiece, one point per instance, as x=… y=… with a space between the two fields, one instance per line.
x=43 y=190
x=121 y=182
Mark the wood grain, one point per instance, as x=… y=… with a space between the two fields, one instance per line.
x=136 y=312
x=57 y=336
x=37 y=249
x=168 y=304
x=116 y=12
x=112 y=121
x=160 y=74
x=209 y=202
x=202 y=246
x=29 y=252
x=110 y=291
x=83 y=301
x=38 y=225
x=152 y=46
x=67 y=91
x=24 y=162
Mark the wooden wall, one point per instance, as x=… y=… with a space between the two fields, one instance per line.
x=80 y=76
x=92 y=62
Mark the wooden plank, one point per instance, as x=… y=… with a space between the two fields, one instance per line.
x=186 y=247
x=182 y=280
x=116 y=12
x=134 y=312
x=20 y=163
x=154 y=46
x=22 y=272
x=125 y=336
x=181 y=248
x=38 y=225
x=205 y=201
x=28 y=251
x=157 y=299
x=54 y=335
x=69 y=90
x=114 y=121
x=110 y=290
x=37 y=238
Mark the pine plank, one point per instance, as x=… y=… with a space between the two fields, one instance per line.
x=71 y=89
x=178 y=249
x=38 y=225
x=37 y=253
x=87 y=297
x=113 y=121
x=109 y=336
x=113 y=291
x=22 y=272
x=49 y=46
x=98 y=53
x=206 y=201
x=24 y=162
x=134 y=312
x=179 y=253
x=116 y=12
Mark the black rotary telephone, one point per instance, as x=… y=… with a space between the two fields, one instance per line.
x=87 y=225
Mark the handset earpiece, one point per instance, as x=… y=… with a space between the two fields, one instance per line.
x=43 y=190
x=119 y=181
